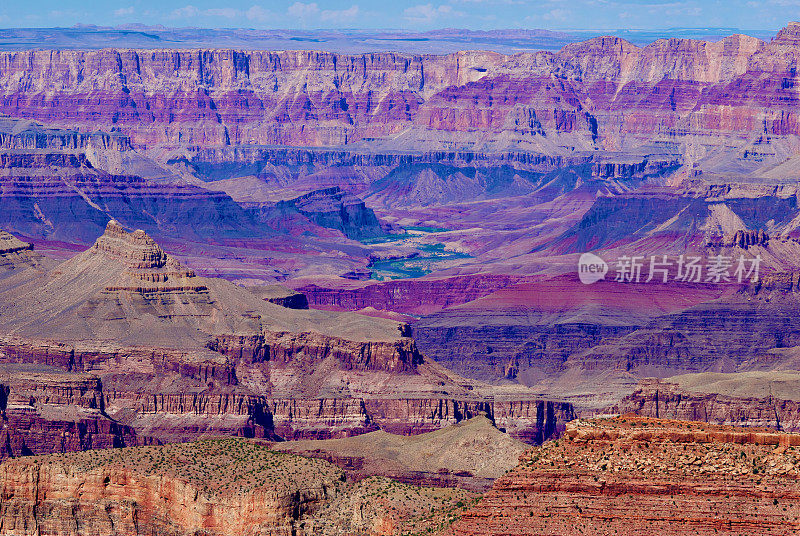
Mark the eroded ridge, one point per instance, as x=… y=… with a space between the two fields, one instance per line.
x=631 y=475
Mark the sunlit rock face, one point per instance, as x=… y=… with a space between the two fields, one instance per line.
x=605 y=92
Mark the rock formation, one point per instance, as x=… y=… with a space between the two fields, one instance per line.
x=330 y=208
x=738 y=399
x=634 y=474
x=281 y=295
x=46 y=411
x=180 y=356
x=215 y=487
x=605 y=92
x=65 y=185
x=220 y=487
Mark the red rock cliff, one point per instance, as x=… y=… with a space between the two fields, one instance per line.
x=635 y=475
x=604 y=92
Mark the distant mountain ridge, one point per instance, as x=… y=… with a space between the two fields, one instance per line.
x=442 y=41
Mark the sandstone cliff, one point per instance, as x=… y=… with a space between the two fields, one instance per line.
x=181 y=356
x=634 y=475
x=45 y=411
x=665 y=399
x=604 y=92
x=214 y=487
x=219 y=487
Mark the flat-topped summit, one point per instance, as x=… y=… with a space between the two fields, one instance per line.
x=789 y=35
x=147 y=266
x=11 y=244
x=127 y=289
x=137 y=247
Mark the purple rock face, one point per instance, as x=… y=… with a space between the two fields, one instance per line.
x=455 y=193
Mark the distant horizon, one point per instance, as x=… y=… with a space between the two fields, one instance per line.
x=409 y=15
x=143 y=26
x=343 y=40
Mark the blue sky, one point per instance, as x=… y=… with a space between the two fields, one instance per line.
x=409 y=14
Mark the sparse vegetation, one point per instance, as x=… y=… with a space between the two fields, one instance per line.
x=229 y=465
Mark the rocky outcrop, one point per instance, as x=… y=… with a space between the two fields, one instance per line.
x=17 y=135
x=11 y=244
x=331 y=208
x=281 y=295
x=532 y=421
x=47 y=412
x=662 y=399
x=419 y=296
x=745 y=239
x=88 y=357
x=399 y=356
x=246 y=490
x=605 y=92
x=177 y=417
x=61 y=195
x=15 y=255
x=217 y=487
x=634 y=474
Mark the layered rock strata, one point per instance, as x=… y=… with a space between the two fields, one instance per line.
x=605 y=92
x=634 y=475
x=218 y=487
x=46 y=412
x=666 y=400
x=215 y=487
x=330 y=208
x=181 y=356
x=62 y=195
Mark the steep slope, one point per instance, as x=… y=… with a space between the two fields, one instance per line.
x=45 y=410
x=215 y=487
x=180 y=356
x=330 y=208
x=469 y=454
x=62 y=184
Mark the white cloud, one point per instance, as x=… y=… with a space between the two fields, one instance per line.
x=124 y=11
x=303 y=11
x=340 y=16
x=427 y=13
x=259 y=14
x=226 y=12
x=185 y=12
x=190 y=11
x=557 y=14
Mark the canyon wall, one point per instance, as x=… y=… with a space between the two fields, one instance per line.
x=604 y=92
x=634 y=475
x=662 y=399
x=51 y=412
x=129 y=492
x=213 y=402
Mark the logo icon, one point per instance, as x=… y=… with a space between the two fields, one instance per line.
x=591 y=268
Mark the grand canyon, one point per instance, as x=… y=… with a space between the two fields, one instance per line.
x=544 y=283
